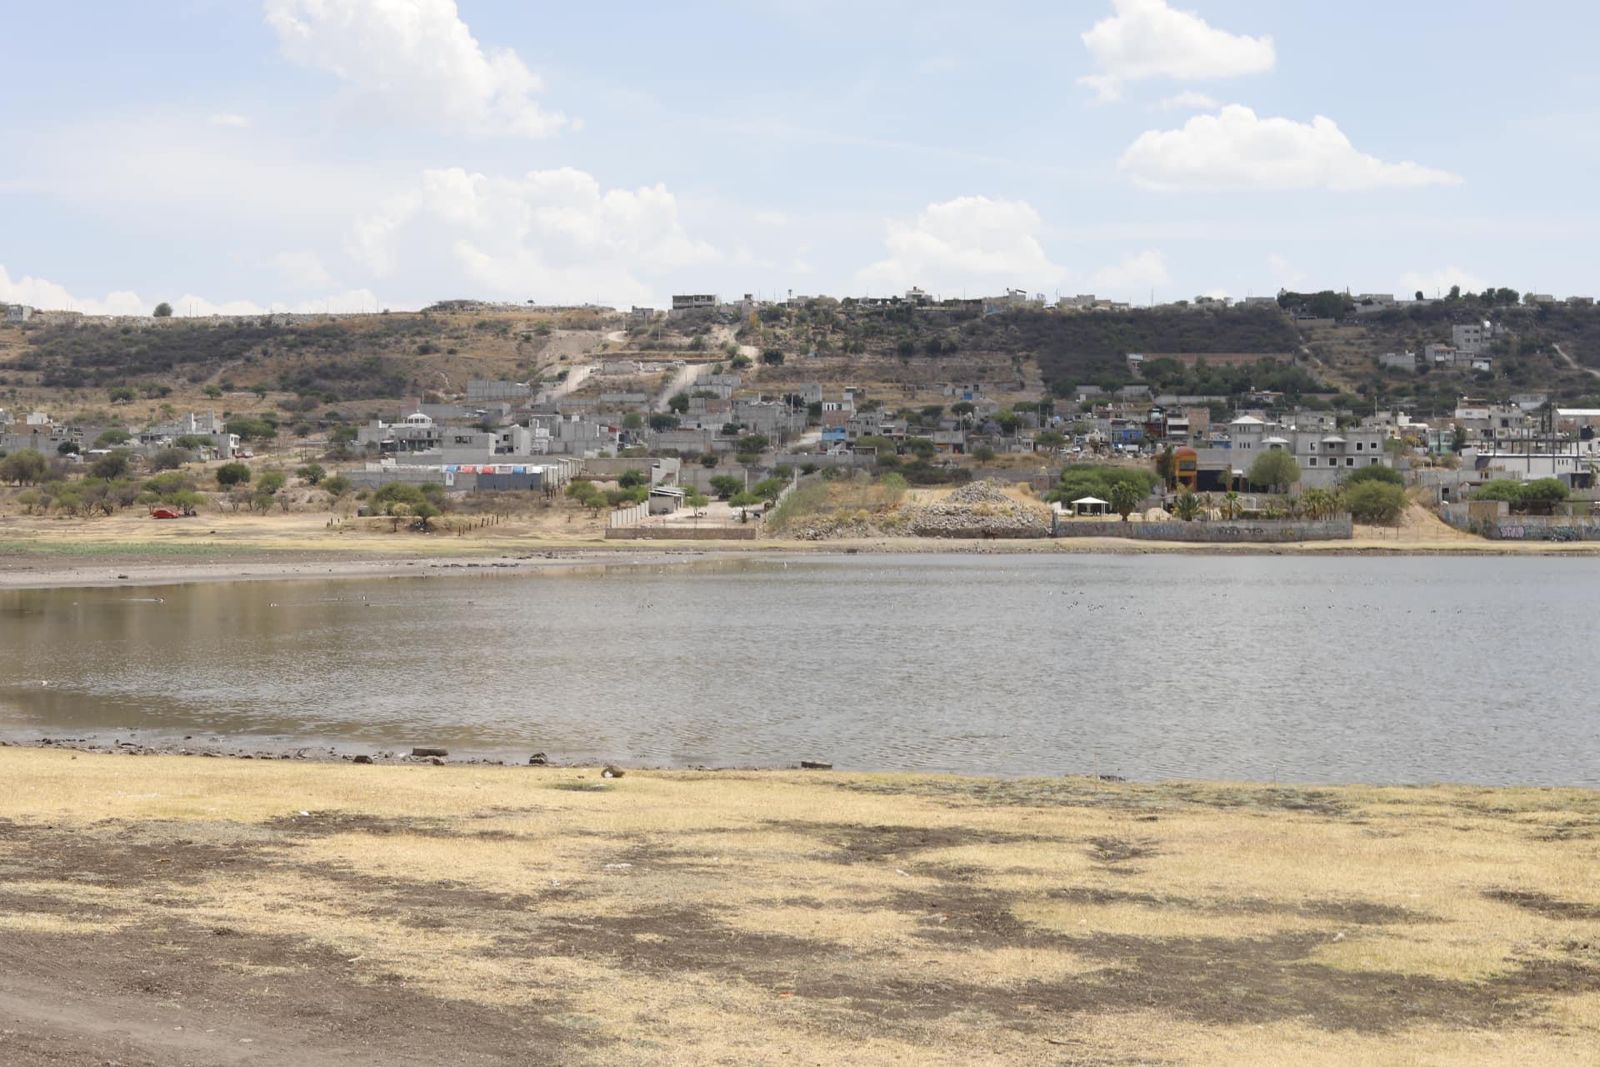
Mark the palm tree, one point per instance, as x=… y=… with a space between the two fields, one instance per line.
x=1319 y=504
x=1124 y=497
x=1187 y=506
x=1231 y=505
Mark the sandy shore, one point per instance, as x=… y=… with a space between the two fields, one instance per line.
x=38 y=552
x=161 y=910
x=133 y=567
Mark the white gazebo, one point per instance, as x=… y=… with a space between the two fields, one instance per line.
x=1089 y=505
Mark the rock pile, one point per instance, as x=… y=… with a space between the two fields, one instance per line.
x=978 y=510
x=981 y=509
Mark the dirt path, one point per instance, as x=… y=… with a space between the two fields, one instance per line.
x=1574 y=364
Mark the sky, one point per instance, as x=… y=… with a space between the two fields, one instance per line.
x=239 y=155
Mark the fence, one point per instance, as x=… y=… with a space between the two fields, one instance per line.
x=1271 y=531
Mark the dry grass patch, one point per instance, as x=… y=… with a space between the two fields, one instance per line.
x=755 y=918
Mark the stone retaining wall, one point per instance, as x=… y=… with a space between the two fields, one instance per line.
x=1242 y=531
x=682 y=533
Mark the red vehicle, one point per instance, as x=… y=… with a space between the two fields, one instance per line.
x=165 y=513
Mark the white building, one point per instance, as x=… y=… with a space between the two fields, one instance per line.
x=1325 y=457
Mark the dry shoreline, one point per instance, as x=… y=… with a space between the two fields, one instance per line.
x=165 y=910
x=45 y=565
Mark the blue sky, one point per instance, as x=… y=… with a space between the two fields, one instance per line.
x=243 y=154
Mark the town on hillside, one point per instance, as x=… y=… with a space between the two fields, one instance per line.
x=1294 y=417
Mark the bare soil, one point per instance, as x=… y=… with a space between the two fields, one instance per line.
x=167 y=911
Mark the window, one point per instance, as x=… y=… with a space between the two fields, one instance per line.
x=1358 y=446
x=1312 y=462
x=1373 y=460
x=1350 y=462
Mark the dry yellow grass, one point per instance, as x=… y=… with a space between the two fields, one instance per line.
x=750 y=917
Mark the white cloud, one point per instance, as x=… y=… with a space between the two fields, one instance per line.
x=1438 y=282
x=971 y=240
x=418 y=57
x=550 y=236
x=51 y=296
x=301 y=270
x=1285 y=275
x=1188 y=100
x=1235 y=149
x=1149 y=39
x=230 y=120
x=39 y=293
x=1136 y=273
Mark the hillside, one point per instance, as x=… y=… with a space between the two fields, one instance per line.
x=328 y=369
x=1525 y=362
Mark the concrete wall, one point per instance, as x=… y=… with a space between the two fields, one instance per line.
x=1244 y=531
x=1493 y=519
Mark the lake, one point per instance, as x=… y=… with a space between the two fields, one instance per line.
x=1341 y=669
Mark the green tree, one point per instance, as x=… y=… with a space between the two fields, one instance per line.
x=1542 y=495
x=1375 y=473
x=1123 y=498
x=250 y=428
x=1186 y=506
x=772 y=357
x=111 y=466
x=112 y=438
x=271 y=482
x=336 y=486
x=661 y=423
x=163 y=310
x=234 y=474
x=752 y=444
x=1166 y=464
x=1276 y=469
x=632 y=477
x=1500 y=489
x=311 y=473
x=725 y=485
x=633 y=421
x=1374 y=502
x=678 y=403
x=169 y=459
x=769 y=489
x=25 y=467
x=68 y=448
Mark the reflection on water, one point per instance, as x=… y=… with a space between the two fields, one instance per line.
x=1396 y=669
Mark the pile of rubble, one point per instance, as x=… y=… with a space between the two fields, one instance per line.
x=981 y=509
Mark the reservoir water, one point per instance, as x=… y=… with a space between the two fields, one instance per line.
x=1400 y=669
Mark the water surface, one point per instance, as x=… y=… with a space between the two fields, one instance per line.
x=1343 y=669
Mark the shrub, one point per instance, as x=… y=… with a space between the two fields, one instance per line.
x=1375 y=501
x=230 y=475
x=1375 y=473
x=170 y=459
